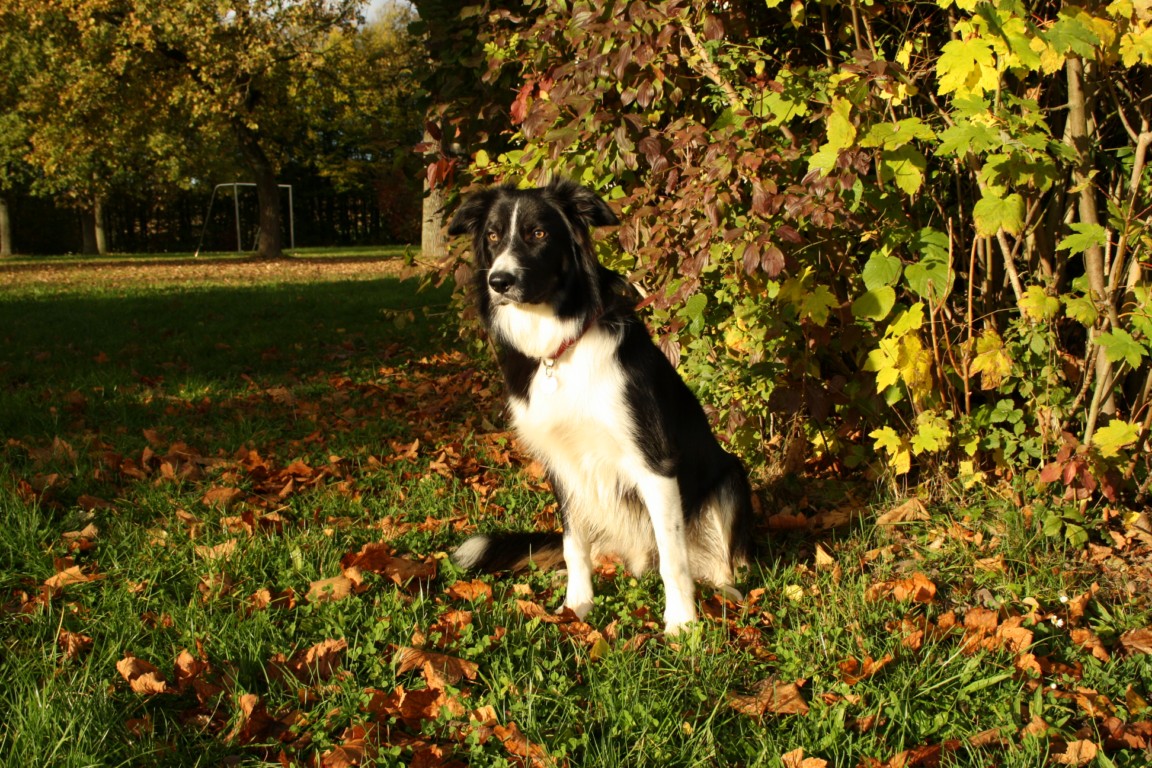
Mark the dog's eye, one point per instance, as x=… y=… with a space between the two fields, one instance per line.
x=539 y=234
x=493 y=237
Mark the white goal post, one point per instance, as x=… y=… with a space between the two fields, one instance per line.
x=236 y=207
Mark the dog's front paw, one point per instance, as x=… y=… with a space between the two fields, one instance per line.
x=580 y=609
x=677 y=620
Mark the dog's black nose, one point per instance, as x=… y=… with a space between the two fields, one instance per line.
x=501 y=281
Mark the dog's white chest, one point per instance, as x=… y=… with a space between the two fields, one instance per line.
x=575 y=418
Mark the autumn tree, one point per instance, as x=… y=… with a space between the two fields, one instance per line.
x=141 y=75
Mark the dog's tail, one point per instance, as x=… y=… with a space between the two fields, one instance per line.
x=514 y=551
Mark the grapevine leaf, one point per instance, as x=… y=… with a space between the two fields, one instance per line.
x=1118 y=345
x=1084 y=237
x=1037 y=305
x=994 y=213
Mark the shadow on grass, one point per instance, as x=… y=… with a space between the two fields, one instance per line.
x=182 y=341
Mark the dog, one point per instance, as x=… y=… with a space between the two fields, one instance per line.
x=627 y=447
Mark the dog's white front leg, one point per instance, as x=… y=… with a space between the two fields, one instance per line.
x=578 y=560
x=661 y=496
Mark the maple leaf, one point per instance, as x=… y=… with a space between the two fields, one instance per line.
x=470 y=590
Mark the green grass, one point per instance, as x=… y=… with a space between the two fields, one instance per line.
x=346 y=413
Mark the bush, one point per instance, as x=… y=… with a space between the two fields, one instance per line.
x=910 y=233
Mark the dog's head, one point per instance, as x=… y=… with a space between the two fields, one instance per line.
x=531 y=243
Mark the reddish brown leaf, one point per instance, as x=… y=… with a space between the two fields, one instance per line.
x=853 y=670
x=470 y=590
x=70 y=575
x=224 y=498
x=518 y=745
x=318 y=662
x=1087 y=639
x=451 y=668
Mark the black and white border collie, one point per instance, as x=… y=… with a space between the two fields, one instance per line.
x=627 y=447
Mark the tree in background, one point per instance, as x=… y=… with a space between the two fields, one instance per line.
x=118 y=84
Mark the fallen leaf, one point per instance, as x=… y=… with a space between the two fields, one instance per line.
x=225 y=498
x=451 y=668
x=1137 y=641
x=318 y=662
x=142 y=676
x=1079 y=752
x=324 y=590
x=470 y=590
x=73 y=644
x=909 y=511
x=853 y=670
x=770 y=697
x=796 y=759
x=70 y=575
x=1088 y=640
x=518 y=745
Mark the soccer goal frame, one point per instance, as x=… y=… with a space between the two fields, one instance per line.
x=236 y=208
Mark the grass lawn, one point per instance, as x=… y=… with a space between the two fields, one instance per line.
x=226 y=499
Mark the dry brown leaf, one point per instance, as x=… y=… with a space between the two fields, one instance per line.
x=770 y=697
x=1137 y=640
x=470 y=590
x=73 y=644
x=450 y=668
x=853 y=670
x=823 y=560
x=142 y=676
x=70 y=575
x=335 y=588
x=1079 y=752
x=225 y=498
x=909 y=511
x=919 y=588
x=319 y=662
x=796 y=759
x=1089 y=641
x=518 y=745
x=221 y=551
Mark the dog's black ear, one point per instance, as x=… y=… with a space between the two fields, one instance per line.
x=470 y=216
x=581 y=204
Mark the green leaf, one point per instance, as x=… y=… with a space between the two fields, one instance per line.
x=968 y=136
x=875 y=304
x=694 y=307
x=905 y=166
x=932 y=433
x=1116 y=435
x=1037 y=305
x=899 y=450
x=891 y=136
x=817 y=304
x=994 y=213
x=881 y=270
x=1081 y=309
x=991 y=360
x=1084 y=237
x=907 y=321
x=1071 y=33
x=1118 y=345
x=930 y=278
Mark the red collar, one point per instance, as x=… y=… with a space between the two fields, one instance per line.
x=569 y=343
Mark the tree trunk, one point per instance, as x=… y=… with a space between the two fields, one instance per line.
x=98 y=227
x=5 y=229
x=269 y=243
x=433 y=242
x=88 y=233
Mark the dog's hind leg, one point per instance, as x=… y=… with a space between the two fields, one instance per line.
x=661 y=496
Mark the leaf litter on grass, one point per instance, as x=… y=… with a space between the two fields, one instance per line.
x=923 y=588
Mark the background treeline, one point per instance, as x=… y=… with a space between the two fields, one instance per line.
x=897 y=236
x=118 y=119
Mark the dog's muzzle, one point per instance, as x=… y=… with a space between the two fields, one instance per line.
x=501 y=282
